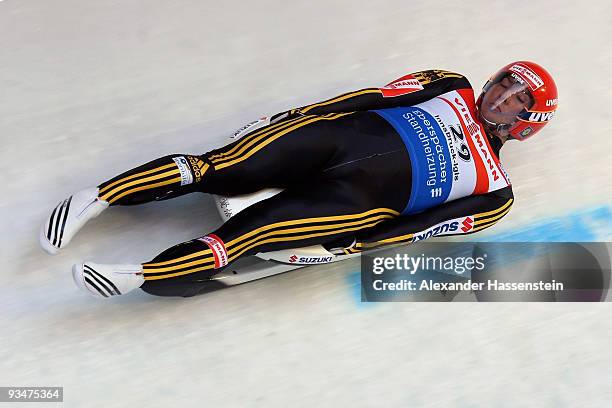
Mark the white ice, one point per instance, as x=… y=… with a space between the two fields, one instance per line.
x=91 y=88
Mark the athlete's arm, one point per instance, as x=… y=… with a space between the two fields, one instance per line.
x=408 y=90
x=462 y=216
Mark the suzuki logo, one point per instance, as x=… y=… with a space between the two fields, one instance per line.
x=293 y=258
x=467 y=224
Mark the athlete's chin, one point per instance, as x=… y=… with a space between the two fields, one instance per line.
x=496 y=118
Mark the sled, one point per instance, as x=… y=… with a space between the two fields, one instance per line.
x=266 y=264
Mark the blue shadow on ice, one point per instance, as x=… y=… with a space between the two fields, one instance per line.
x=590 y=225
x=586 y=225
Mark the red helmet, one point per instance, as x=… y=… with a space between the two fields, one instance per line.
x=522 y=104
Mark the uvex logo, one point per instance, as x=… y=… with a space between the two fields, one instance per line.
x=541 y=116
x=551 y=102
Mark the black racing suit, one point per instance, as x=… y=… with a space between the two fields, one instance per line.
x=346 y=175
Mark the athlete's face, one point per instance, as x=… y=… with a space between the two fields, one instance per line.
x=504 y=100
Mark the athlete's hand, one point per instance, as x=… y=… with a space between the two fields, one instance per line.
x=342 y=246
x=290 y=114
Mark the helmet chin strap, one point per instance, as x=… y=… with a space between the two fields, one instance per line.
x=494 y=127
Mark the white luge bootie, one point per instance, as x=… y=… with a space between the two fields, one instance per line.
x=69 y=217
x=104 y=281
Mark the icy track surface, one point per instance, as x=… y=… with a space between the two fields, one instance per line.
x=90 y=89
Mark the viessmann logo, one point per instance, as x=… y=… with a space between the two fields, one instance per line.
x=408 y=83
x=217 y=248
x=474 y=131
x=402 y=86
x=533 y=80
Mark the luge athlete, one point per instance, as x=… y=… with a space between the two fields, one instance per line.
x=416 y=158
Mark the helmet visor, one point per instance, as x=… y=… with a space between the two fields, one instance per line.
x=504 y=98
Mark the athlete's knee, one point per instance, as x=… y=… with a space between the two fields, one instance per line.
x=192 y=168
x=165 y=177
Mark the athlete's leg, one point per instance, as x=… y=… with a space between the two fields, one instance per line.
x=278 y=155
x=347 y=198
x=275 y=155
x=297 y=217
x=290 y=219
